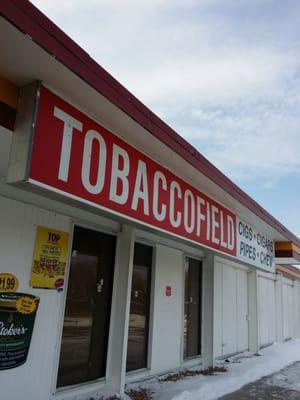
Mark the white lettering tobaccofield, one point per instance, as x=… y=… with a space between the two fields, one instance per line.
x=73 y=156
x=90 y=164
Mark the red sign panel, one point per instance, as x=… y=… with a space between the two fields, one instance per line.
x=75 y=156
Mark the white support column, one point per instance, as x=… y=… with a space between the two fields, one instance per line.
x=295 y=309
x=297 y=289
x=279 y=308
x=253 y=311
x=208 y=311
x=116 y=360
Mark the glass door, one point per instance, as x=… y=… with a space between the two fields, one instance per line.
x=88 y=306
x=139 y=308
x=192 y=308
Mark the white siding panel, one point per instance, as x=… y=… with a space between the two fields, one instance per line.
x=167 y=316
x=288 y=308
x=242 y=310
x=218 y=315
x=230 y=309
x=297 y=309
x=266 y=310
x=17 y=233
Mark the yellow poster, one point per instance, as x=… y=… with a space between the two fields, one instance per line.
x=49 y=258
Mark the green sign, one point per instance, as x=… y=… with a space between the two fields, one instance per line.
x=17 y=315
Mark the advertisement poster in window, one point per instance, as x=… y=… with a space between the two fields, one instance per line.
x=49 y=259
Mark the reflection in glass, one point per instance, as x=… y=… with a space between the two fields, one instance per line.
x=192 y=308
x=87 y=312
x=139 y=308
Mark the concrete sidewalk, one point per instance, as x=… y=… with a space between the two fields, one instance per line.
x=283 y=385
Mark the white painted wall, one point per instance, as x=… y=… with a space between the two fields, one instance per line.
x=288 y=294
x=297 y=309
x=17 y=232
x=230 y=308
x=242 y=310
x=36 y=379
x=167 y=311
x=279 y=308
x=266 y=309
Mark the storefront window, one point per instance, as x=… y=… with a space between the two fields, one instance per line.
x=139 y=308
x=192 y=307
x=88 y=306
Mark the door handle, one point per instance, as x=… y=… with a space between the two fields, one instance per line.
x=99 y=285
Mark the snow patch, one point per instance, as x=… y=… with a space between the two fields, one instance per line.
x=242 y=370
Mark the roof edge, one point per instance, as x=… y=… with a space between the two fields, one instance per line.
x=28 y=19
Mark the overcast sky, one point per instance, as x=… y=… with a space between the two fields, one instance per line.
x=225 y=74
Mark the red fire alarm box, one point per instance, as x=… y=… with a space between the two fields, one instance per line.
x=168 y=291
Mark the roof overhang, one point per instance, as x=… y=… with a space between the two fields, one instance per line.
x=288 y=271
x=287 y=253
x=33 y=48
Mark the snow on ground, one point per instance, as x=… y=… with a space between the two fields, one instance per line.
x=242 y=369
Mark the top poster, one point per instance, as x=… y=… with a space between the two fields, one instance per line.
x=49 y=258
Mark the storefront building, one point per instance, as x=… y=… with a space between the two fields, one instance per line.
x=124 y=253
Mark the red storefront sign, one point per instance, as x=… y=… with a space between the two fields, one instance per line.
x=76 y=157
